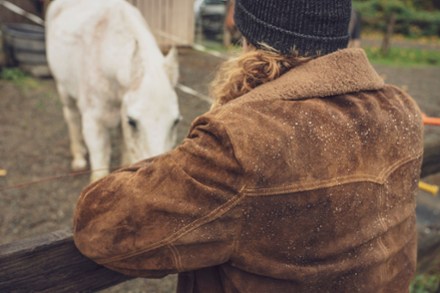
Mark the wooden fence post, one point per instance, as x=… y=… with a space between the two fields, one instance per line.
x=391 y=22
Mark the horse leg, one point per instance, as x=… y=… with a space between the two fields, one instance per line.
x=73 y=120
x=125 y=158
x=97 y=138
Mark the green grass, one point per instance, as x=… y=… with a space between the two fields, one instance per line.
x=19 y=78
x=406 y=57
x=425 y=284
x=12 y=74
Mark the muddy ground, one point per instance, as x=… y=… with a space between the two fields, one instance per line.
x=38 y=195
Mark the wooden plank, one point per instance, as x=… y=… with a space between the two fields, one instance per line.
x=51 y=263
x=191 y=25
x=179 y=30
x=170 y=17
x=163 y=22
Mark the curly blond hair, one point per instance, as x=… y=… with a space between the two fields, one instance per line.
x=255 y=67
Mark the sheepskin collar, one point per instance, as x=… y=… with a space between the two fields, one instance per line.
x=344 y=71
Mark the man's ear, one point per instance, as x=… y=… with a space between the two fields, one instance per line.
x=172 y=66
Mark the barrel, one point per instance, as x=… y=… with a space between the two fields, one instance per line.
x=24 y=46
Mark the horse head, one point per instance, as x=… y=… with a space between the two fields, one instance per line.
x=150 y=111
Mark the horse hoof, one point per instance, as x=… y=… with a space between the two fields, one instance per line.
x=79 y=165
x=96 y=175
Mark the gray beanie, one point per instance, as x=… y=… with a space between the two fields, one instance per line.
x=311 y=27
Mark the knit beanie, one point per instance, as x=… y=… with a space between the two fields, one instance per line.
x=311 y=27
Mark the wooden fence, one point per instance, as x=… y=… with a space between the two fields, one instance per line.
x=171 y=21
x=51 y=263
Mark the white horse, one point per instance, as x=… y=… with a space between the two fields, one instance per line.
x=110 y=71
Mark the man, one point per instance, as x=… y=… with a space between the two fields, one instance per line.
x=301 y=178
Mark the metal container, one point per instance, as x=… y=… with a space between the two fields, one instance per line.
x=24 y=44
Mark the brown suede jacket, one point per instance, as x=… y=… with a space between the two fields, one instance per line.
x=305 y=184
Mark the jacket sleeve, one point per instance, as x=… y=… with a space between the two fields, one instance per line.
x=167 y=214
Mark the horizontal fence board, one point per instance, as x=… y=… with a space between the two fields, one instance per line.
x=51 y=263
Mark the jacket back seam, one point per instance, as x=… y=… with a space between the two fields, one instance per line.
x=298 y=187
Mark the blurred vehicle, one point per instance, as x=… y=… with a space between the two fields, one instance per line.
x=231 y=35
x=210 y=16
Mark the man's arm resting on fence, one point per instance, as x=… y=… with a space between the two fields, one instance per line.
x=167 y=214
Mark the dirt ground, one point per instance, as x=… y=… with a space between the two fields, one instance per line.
x=38 y=195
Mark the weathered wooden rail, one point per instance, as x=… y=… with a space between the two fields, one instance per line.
x=51 y=262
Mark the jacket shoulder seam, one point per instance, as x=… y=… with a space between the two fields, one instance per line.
x=167 y=241
x=176 y=257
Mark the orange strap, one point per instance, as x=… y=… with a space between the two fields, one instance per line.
x=430 y=120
